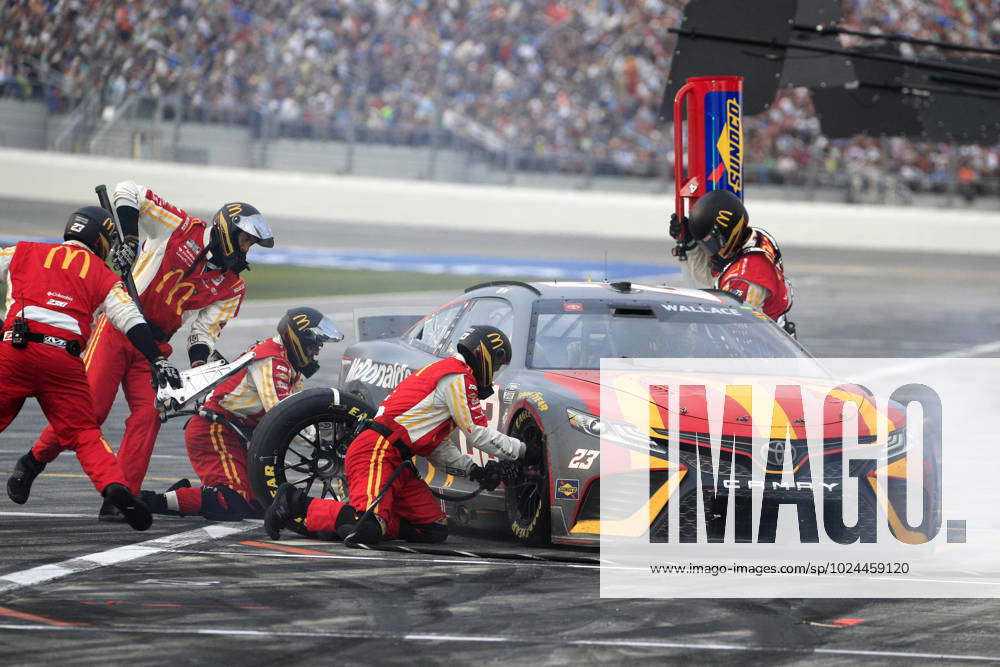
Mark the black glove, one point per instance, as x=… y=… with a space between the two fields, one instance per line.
x=678 y=228
x=533 y=453
x=488 y=476
x=165 y=372
x=123 y=256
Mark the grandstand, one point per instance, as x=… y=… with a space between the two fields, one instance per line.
x=462 y=89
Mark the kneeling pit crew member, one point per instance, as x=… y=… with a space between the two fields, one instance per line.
x=188 y=272
x=217 y=450
x=725 y=252
x=53 y=291
x=415 y=419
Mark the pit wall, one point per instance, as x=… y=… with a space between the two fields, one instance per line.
x=59 y=177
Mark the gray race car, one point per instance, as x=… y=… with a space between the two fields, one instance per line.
x=549 y=394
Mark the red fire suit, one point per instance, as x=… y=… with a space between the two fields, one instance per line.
x=217 y=455
x=421 y=412
x=57 y=288
x=176 y=285
x=756 y=275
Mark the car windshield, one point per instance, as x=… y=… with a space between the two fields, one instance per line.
x=568 y=334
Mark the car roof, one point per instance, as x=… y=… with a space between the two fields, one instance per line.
x=598 y=290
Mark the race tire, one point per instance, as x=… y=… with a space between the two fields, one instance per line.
x=281 y=449
x=527 y=491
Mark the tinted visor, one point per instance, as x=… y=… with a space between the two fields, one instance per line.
x=712 y=246
x=325 y=331
x=255 y=225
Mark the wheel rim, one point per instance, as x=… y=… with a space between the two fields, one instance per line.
x=528 y=484
x=313 y=458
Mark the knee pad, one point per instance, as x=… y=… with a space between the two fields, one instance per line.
x=220 y=503
x=347 y=515
x=368 y=531
x=427 y=533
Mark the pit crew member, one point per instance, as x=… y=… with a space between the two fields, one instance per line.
x=217 y=450
x=725 y=252
x=52 y=292
x=188 y=271
x=415 y=419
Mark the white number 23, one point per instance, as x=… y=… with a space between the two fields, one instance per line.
x=583 y=458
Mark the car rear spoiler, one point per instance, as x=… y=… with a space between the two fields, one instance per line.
x=373 y=324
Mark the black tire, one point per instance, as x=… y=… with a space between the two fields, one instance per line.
x=527 y=491
x=279 y=452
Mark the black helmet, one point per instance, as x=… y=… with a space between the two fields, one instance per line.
x=719 y=222
x=92 y=226
x=485 y=349
x=303 y=332
x=227 y=224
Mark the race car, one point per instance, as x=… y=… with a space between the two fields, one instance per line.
x=550 y=394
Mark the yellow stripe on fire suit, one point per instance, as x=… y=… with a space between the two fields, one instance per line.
x=225 y=313
x=162 y=216
x=228 y=465
x=94 y=341
x=374 y=469
x=462 y=416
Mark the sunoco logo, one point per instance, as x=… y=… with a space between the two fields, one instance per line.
x=730 y=147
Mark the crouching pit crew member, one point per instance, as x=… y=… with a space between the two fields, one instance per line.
x=188 y=272
x=415 y=419
x=725 y=252
x=217 y=436
x=52 y=293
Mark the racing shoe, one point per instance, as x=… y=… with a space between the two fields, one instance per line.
x=157 y=502
x=19 y=482
x=182 y=483
x=109 y=513
x=289 y=503
x=133 y=510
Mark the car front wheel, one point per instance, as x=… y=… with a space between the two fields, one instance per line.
x=527 y=487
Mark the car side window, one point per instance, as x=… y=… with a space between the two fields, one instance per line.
x=428 y=334
x=493 y=311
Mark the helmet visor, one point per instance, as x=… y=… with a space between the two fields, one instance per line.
x=325 y=331
x=255 y=225
x=711 y=244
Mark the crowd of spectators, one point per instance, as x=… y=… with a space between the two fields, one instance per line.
x=570 y=85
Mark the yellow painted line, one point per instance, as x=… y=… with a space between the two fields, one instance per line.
x=70 y=475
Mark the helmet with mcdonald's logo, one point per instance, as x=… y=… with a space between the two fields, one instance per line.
x=228 y=222
x=485 y=349
x=93 y=227
x=720 y=224
x=303 y=332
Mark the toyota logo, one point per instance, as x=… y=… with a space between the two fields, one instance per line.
x=774 y=453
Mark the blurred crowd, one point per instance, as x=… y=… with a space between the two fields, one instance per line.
x=570 y=85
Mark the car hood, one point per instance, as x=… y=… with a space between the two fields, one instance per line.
x=788 y=410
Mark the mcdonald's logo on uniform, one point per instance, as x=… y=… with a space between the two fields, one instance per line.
x=71 y=254
x=179 y=284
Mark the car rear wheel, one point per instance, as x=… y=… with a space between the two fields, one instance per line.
x=527 y=489
x=303 y=441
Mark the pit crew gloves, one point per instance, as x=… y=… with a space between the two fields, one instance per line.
x=488 y=476
x=167 y=373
